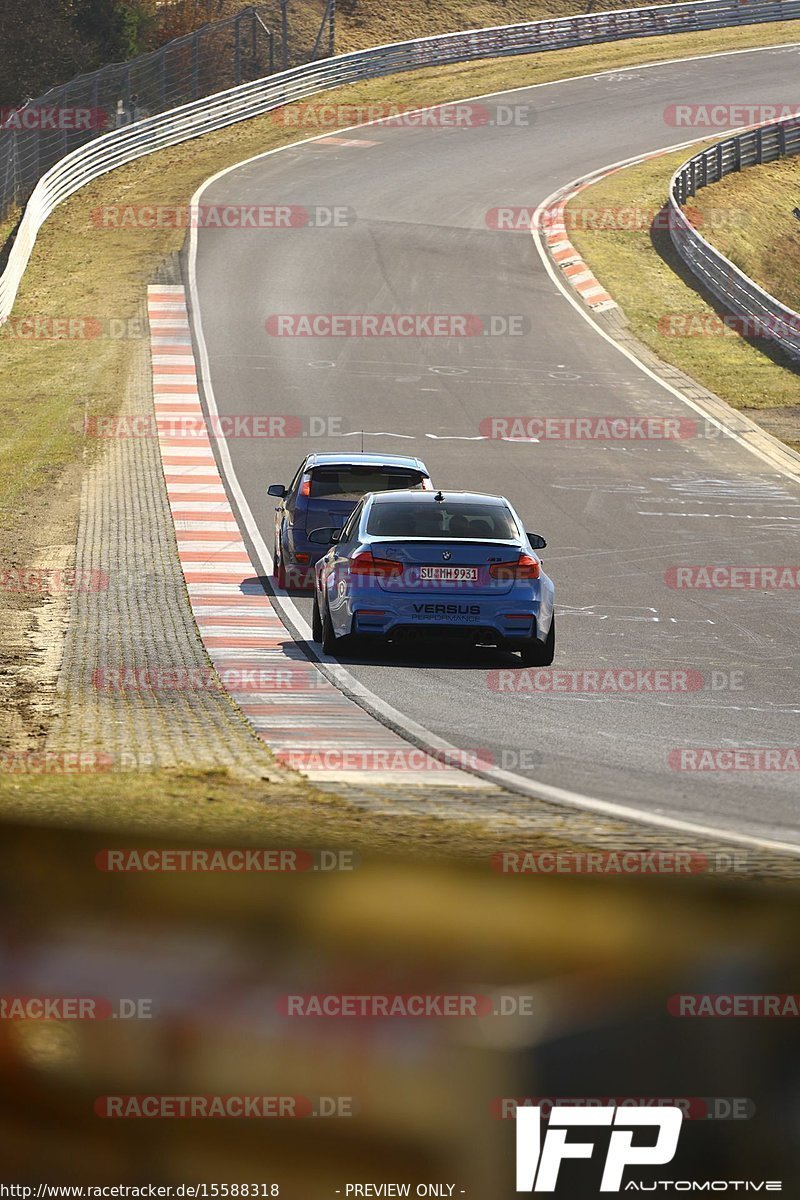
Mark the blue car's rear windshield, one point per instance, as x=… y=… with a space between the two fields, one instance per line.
x=353 y=482
x=449 y=519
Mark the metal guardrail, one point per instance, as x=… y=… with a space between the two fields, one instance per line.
x=123 y=145
x=758 y=314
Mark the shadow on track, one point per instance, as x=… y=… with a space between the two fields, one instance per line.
x=421 y=654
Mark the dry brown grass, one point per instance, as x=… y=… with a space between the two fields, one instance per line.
x=764 y=241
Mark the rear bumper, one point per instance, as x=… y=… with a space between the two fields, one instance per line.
x=454 y=633
x=301 y=574
x=358 y=606
x=484 y=630
x=301 y=546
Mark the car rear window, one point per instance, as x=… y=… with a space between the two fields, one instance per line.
x=350 y=483
x=449 y=519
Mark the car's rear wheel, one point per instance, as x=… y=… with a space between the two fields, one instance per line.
x=330 y=642
x=316 y=621
x=279 y=569
x=540 y=654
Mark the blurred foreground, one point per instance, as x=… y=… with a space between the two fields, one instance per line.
x=207 y=983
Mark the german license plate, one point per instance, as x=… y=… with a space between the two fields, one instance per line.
x=450 y=574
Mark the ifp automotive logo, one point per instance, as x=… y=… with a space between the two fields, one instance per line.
x=539 y=1158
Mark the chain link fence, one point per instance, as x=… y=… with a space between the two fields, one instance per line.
x=250 y=45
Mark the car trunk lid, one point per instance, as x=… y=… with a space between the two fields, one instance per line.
x=445 y=567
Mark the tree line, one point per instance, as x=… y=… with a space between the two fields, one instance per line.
x=46 y=42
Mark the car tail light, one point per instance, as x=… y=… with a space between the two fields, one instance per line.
x=525 y=567
x=305 y=486
x=365 y=563
x=302 y=558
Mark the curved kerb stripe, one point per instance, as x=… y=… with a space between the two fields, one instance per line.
x=568 y=259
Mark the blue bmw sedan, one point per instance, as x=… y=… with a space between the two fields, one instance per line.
x=411 y=564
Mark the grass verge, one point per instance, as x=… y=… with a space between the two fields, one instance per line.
x=215 y=806
x=764 y=241
x=360 y=24
x=663 y=303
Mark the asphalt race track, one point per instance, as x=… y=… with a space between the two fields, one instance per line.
x=616 y=515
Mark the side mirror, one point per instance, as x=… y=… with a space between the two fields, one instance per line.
x=276 y=489
x=536 y=540
x=324 y=536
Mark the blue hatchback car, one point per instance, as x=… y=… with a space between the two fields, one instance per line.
x=324 y=491
x=417 y=564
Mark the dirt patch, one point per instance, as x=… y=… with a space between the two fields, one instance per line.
x=782 y=422
x=34 y=611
